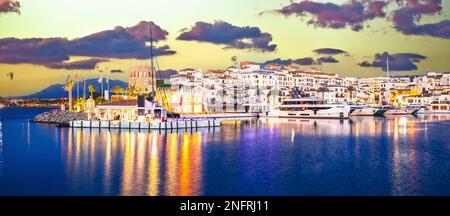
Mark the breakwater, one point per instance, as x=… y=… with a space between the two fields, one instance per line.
x=59 y=117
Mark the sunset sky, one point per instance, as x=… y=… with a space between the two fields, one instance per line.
x=351 y=38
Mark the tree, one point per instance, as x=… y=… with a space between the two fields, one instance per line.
x=100 y=100
x=322 y=90
x=117 y=90
x=91 y=89
x=351 y=89
x=68 y=87
x=80 y=104
x=132 y=91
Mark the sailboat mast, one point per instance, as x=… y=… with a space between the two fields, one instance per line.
x=387 y=83
x=387 y=66
x=151 y=65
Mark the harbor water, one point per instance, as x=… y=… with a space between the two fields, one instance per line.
x=399 y=155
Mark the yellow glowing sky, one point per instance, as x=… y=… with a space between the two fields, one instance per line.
x=295 y=39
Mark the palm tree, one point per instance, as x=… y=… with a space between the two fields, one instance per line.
x=351 y=89
x=132 y=91
x=322 y=90
x=80 y=104
x=68 y=87
x=91 y=89
x=117 y=90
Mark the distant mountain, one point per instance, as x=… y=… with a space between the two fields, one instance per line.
x=165 y=74
x=57 y=90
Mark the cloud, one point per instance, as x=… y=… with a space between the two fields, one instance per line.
x=121 y=43
x=141 y=31
x=87 y=64
x=9 y=6
x=397 y=62
x=229 y=35
x=327 y=59
x=305 y=61
x=278 y=61
x=329 y=51
x=33 y=50
x=411 y=11
x=329 y=15
x=117 y=71
x=117 y=43
x=302 y=61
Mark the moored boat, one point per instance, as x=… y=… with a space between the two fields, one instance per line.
x=366 y=111
x=309 y=108
x=400 y=111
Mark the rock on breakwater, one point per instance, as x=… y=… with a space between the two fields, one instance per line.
x=59 y=117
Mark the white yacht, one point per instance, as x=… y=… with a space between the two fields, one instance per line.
x=364 y=110
x=399 y=111
x=309 y=108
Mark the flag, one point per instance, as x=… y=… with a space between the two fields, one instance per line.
x=100 y=80
x=107 y=80
x=68 y=77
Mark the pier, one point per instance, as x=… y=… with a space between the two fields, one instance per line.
x=167 y=125
x=220 y=115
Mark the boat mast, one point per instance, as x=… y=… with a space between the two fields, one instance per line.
x=151 y=65
x=387 y=74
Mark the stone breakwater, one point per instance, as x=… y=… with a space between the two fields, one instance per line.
x=59 y=117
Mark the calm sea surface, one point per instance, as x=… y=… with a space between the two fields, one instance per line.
x=361 y=156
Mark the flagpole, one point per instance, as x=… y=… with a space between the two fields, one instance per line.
x=102 y=87
x=84 y=89
x=108 y=85
x=78 y=90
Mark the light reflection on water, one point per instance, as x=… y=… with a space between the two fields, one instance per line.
x=154 y=163
x=144 y=163
x=402 y=155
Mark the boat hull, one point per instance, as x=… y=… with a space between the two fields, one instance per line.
x=367 y=112
x=401 y=112
x=333 y=113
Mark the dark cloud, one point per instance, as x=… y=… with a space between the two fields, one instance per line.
x=305 y=61
x=121 y=43
x=33 y=50
x=118 y=43
x=327 y=59
x=278 y=61
x=397 y=62
x=301 y=61
x=229 y=35
x=87 y=64
x=329 y=15
x=9 y=6
x=141 y=31
x=329 y=51
x=117 y=71
x=411 y=11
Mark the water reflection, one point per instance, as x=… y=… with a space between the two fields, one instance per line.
x=134 y=162
x=1 y=147
x=114 y=162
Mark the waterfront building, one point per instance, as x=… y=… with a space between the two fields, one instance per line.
x=252 y=88
x=141 y=78
x=138 y=109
